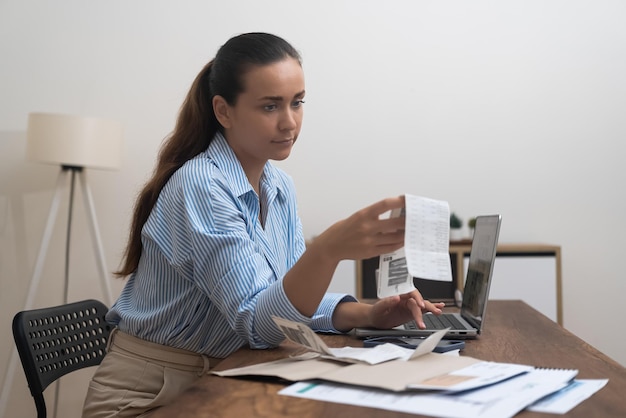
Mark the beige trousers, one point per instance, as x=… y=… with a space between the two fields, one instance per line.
x=136 y=377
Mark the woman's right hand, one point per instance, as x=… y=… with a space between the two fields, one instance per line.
x=364 y=234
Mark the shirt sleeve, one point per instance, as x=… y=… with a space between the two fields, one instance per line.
x=322 y=320
x=236 y=265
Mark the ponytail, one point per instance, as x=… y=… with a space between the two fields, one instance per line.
x=195 y=128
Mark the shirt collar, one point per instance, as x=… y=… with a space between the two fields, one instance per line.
x=224 y=157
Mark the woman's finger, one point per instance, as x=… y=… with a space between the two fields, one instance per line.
x=385 y=205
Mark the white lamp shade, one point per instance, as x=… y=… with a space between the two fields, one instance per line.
x=74 y=140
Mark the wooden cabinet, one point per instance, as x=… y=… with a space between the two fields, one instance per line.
x=530 y=272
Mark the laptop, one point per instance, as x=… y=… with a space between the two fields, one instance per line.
x=470 y=320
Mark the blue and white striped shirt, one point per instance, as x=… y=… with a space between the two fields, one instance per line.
x=210 y=276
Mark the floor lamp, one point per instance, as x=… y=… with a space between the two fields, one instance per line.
x=74 y=143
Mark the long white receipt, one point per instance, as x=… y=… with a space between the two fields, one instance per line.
x=426 y=248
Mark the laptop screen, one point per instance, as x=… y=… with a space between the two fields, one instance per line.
x=480 y=269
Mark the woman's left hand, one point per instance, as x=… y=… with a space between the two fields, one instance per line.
x=396 y=310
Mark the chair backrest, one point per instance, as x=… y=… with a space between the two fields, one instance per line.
x=55 y=341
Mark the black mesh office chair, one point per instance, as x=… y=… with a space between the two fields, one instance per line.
x=55 y=341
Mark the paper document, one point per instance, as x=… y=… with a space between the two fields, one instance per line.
x=501 y=400
x=476 y=375
x=426 y=247
x=387 y=369
x=564 y=400
x=303 y=335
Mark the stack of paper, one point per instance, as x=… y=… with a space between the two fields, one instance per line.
x=541 y=390
x=418 y=381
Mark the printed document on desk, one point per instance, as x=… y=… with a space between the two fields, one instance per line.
x=426 y=247
x=421 y=370
x=501 y=400
x=303 y=335
x=564 y=400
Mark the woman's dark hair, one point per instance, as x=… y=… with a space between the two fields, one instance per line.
x=197 y=125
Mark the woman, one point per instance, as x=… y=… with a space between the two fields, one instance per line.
x=216 y=245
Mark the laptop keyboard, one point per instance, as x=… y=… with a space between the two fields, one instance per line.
x=438 y=322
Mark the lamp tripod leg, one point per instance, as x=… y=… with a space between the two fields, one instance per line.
x=45 y=242
x=97 y=242
x=34 y=283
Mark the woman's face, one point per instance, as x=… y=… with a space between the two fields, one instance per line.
x=265 y=121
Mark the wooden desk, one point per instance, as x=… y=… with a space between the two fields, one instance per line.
x=514 y=333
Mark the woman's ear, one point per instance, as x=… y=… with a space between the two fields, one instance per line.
x=222 y=111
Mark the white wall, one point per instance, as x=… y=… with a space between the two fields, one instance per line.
x=510 y=107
